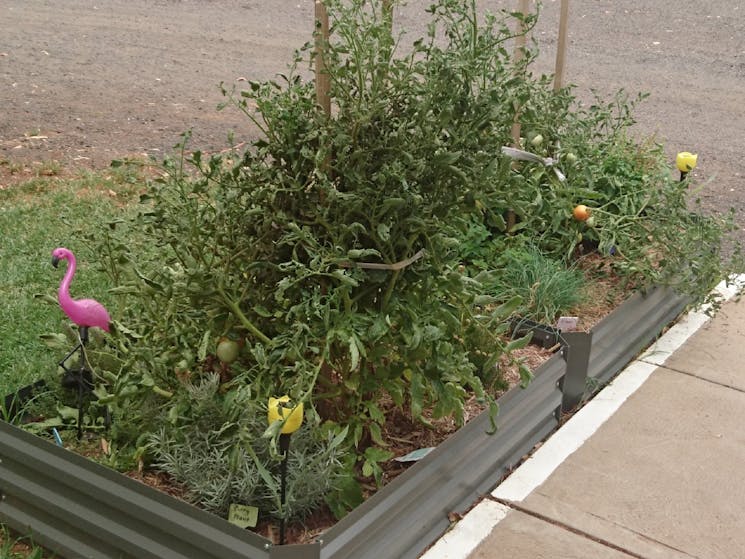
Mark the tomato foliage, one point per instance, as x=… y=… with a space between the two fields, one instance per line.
x=333 y=248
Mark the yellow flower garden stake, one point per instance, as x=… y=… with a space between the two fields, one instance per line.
x=282 y=409
x=686 y=162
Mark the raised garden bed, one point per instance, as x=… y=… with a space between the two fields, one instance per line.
x=81 y=509
x=360 y=260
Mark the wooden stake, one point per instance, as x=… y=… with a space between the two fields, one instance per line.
x=323 y=83
x=520 y=45
x=523 y=7
x=562 y=46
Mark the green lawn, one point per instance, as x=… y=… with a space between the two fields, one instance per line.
x=35 y=217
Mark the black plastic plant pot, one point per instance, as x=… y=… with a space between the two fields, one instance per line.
x=14 y=403
x=543 y=335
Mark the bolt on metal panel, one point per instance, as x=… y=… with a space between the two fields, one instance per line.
x=305 y=551
x=577 y=355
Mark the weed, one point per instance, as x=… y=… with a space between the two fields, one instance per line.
x=546 y=286
x=12 y=167
x=49 y=168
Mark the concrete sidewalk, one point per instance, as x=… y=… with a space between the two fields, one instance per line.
x=662 y=477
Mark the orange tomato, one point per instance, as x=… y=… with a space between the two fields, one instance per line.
x=581 y=212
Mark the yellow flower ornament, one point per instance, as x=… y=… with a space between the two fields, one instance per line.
x=282 y=409
x=686 y=161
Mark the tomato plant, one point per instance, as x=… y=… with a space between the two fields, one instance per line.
x=354 y=252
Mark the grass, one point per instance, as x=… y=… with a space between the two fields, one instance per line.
x=546 y=286
x=12 y=547
x=36 y=216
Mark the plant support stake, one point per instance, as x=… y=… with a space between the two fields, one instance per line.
x=323 y=82
x=523 y=7
x=561 y=48
x=291 y=416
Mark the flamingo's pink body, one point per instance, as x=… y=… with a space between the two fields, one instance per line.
x=83 y=312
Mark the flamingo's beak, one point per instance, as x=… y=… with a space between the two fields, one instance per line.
x=55 y=261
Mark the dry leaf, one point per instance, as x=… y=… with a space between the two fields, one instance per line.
x=454 y=517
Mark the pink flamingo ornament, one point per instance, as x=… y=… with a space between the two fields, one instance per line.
x=83 y=312
x=86 y=313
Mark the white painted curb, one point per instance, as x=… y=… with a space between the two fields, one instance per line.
x=572 y=435
x=467 y=534
x=676 y=336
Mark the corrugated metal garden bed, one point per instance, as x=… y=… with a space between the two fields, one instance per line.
x=78 y=508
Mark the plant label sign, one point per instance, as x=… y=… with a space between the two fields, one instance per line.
x=243 y=516
x=567 y=323
x=415 y=455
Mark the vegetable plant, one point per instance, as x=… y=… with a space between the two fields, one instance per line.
x=364 y=256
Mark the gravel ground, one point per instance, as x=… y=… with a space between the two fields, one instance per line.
x=84 y=81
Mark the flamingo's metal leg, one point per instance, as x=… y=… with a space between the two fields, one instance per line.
x=80 y=378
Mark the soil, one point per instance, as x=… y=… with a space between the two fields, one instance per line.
x=85 y=82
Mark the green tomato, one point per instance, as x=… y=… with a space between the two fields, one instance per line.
x=590 y=221
x=227 y=350
x=536 y=141
x=570 y=157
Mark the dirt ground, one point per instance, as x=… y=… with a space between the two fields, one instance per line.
x=86 y=81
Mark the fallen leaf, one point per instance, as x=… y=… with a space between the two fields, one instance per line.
x=454 y=517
